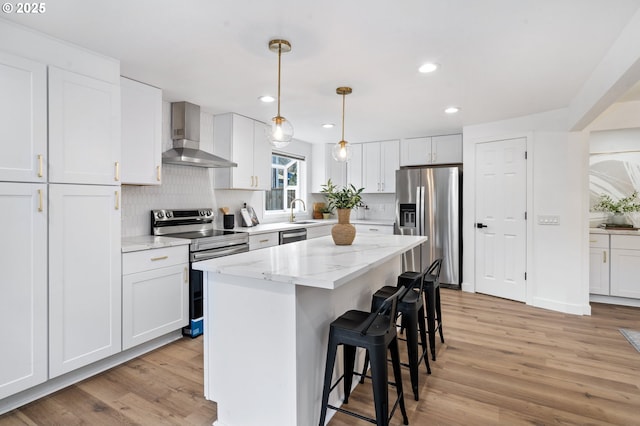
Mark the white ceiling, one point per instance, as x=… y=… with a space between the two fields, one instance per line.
x=499 y=58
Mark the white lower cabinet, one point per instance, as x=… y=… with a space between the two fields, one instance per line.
x=599 y=264
x=319 y=231
x=155 y=293
x=84 y=275
x=625 y=266
x=260 y=241
x=23 y=287
x=374 y=229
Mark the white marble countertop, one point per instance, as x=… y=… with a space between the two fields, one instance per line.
x=315 y=263
x=305 y=223
x=147 y=242
x=613 y=231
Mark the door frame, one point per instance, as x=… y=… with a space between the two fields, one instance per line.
x=469 y=212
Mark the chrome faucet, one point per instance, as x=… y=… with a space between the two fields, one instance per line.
x=292 y=218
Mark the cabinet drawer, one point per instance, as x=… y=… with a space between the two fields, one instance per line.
x=374 y=229
x=318 y=231
x=263 y=240
x=599 y=240
x=146 y=260
x=629 y=242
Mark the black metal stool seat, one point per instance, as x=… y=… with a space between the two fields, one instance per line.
x=375 y=332
x=432 y=304
x=411 y=311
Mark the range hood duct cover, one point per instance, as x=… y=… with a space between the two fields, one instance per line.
x=185 y=132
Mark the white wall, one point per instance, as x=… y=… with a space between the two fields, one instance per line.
x=556 y=171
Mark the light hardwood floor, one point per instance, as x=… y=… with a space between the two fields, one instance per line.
x=502 y=363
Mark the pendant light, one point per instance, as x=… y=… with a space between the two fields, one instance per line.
x=281 y=129
x=341 y=151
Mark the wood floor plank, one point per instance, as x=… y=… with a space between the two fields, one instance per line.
x=503 y=363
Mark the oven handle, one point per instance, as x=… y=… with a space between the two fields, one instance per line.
x=195 y=257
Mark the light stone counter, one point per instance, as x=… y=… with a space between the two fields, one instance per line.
x=266 y=323
x=264 y=228
x=613 y=231
x=147 y=242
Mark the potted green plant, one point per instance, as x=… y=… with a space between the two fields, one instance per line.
x=618 y=208
x=343 y=199
x=326 y=212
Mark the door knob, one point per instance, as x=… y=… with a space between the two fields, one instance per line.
x=480 y=225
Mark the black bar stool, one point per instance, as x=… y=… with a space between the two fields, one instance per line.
x=411 y=311
x=432 y=303
x=375 y=332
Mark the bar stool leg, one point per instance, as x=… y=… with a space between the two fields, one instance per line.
x=430 y=295
x=397 y=375
x=365 y=367
x=410 y=323
x=379 y=379
x=328 y=372
x=349 y=362
x=439 y=314
x=423 y=338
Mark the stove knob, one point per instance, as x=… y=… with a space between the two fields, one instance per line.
x=160 y=215
x=169 y=215
x=208 y=212
x=201 y=213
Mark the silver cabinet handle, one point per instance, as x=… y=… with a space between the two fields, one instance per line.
x=604 y=257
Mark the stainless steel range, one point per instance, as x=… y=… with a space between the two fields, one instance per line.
x=206 y=243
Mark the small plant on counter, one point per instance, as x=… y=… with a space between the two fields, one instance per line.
x=624 y=205
x=348 y=197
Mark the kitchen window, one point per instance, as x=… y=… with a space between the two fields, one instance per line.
x=287 y=177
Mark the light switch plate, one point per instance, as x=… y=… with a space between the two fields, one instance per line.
x=548 y=220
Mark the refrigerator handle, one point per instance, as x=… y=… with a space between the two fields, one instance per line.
x=420 y=209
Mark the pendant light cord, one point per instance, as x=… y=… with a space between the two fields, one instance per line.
x=343 y=97
x=279 y=61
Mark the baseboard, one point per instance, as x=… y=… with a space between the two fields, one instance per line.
x=567 y=308
x=17 y=400
x=614 y=300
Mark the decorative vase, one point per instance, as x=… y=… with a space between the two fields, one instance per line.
x=619 y=219
x=343 y=232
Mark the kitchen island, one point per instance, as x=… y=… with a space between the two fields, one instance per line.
x=267 y=315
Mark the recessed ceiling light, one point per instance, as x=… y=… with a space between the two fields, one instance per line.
x=452 y=110
x=428 y=67
x=328 y=125
x=267 y=98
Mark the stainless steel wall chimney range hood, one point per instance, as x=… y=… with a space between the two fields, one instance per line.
x=185 y=132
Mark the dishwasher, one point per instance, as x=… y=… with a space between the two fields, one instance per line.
x=293 y=235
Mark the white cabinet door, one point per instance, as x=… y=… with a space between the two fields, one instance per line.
x=374 y=229
x=141 y=133
x=23 y=287
x=243 y=141
x=380 y=160
x=354 y=166
x=84 y=129
x=84 y=275
x=260 y=241
x=599 y=271
x=625 y=270
x=371 y=167
x=261 y=156
x=389 y=163
x=415 y=151
x=23 y=119
x=154 y=303
x=319 y=231
x=324 y=167
x=446 y=149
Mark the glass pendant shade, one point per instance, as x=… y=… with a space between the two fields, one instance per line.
x=341 y=152
x=281 y=132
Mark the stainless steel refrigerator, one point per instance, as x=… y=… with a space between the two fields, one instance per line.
x=429 y=202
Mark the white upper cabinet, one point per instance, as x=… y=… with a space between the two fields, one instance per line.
x=324 y=167
x=380 y=160
x=84 y=276
x=84 y=129
x=422 y=151
x=354 y=166
x=141 y=133
x=23 y=119
x=243 y=141
x=23 y=286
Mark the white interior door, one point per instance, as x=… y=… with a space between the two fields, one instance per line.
x=501 y=201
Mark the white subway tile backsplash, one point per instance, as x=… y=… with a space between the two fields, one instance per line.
x=182 y=188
